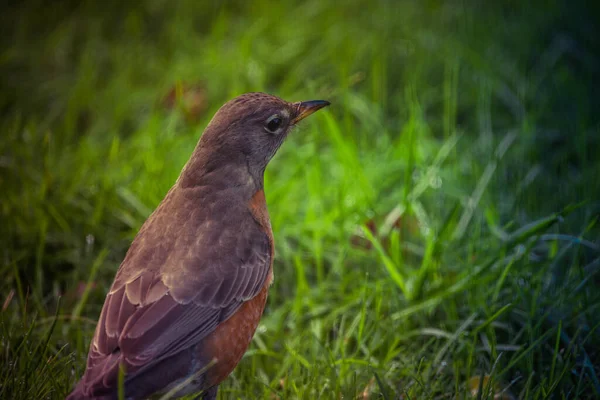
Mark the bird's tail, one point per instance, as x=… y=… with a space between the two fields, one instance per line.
x=77 y=394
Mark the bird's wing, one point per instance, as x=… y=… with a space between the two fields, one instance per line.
x=193 y=283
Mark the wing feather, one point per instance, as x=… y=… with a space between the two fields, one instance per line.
x=168 y=297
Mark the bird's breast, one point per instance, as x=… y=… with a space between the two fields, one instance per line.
x=226 y=345
x=258 y=209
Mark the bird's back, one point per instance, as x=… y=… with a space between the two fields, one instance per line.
x=201 y=255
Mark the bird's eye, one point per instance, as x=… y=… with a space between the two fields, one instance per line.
x=273 y=123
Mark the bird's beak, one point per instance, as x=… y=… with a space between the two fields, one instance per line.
x=305 y=108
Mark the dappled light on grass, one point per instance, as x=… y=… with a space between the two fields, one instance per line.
x=437 y=225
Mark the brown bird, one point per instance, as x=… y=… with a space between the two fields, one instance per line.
x=191 y=290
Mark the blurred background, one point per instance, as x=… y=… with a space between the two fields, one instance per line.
x=436 y=228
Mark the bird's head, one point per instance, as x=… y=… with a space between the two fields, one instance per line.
x=248 y=130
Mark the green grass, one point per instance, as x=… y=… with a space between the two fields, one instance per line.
x=438 y=222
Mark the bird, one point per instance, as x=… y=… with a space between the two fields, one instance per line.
x=191 y=290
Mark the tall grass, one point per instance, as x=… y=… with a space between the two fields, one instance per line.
x=435 y=226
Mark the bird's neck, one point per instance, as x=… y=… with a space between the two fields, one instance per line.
x=220 y=170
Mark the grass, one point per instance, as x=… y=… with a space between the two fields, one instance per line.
x=438 y=224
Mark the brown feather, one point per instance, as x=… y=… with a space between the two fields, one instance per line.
x=223 y=258
x=194 y=282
